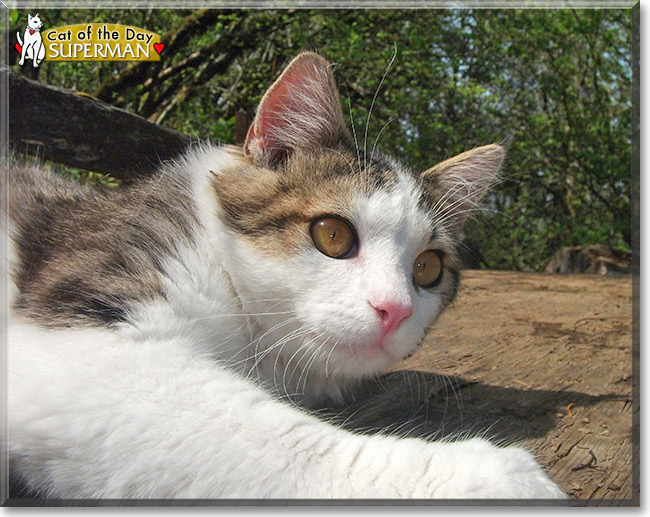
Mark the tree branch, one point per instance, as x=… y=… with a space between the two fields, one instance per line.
x=136 y=73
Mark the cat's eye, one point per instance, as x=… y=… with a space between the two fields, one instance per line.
x=427 y=268
x=334 y=237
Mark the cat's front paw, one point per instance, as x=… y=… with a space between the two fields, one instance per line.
x=487 y=471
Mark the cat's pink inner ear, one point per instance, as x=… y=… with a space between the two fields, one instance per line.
x=463 y=181
x=300 y=110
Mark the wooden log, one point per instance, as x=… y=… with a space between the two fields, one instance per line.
x=81 y=131
x=590 y=259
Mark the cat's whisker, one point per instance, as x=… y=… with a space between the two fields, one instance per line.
x=472 y=210
x=246 y=314
x=452 y=192
x=307 y=332
x=289 y=396
x=310 y=362
x=441 y=208
x=449 y=210
x=374 y=146
x=329 y=355
x=256 y=343
x=307 y=367
x=372 y=105
x=350 y=165
x=305 y=346
x=238 y=315
x=448 y=382
x=414 y=396
x=354 y=131
x=282 y=323
x=259 y=300
x=259 y=356
x=350 y=416
x=473 y=192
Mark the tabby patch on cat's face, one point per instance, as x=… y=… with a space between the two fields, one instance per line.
x=275 y=208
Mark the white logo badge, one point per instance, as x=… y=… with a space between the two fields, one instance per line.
x=31 y=46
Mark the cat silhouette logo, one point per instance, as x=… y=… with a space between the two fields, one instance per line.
x=31 y=46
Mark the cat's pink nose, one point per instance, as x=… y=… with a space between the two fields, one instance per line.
x=392 y=314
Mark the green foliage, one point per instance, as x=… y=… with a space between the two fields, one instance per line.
x=554 y=86
x=86 y=176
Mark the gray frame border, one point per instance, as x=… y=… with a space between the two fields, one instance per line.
x=634 y=5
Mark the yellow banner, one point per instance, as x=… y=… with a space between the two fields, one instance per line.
x=101 y=42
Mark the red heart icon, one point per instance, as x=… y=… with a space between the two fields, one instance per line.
x=159 y=47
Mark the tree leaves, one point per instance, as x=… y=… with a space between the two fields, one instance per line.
x=553 y=85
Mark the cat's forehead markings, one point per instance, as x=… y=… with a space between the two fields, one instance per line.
x=272 y=209
x=382 y=172
x=394 y=210
x=308 y=183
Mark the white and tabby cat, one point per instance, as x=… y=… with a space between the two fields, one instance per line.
x=162 y=334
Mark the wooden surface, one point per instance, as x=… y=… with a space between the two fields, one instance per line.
x=541 y=360
x=80 y=131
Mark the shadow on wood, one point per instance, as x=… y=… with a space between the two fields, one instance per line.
x=413 y=403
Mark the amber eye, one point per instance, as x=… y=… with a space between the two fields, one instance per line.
x=427 y=268
x=333 y=236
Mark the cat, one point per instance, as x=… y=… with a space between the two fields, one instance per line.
x=32 y=46
x=166 y=338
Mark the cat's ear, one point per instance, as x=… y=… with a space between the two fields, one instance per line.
x=459 y=184
x=301 y=110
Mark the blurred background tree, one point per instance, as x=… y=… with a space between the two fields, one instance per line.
x=554 y=86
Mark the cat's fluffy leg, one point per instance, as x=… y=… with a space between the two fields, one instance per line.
x=390 y=467
x=92 y=415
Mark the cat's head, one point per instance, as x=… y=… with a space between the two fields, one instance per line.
x=34 y=22
x=346 y=255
